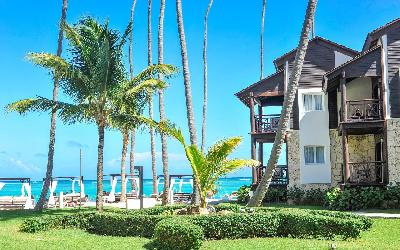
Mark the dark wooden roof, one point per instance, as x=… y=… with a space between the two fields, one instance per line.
x=377 y=32
x=269 y=86
x=365 y=64
x=279 y=61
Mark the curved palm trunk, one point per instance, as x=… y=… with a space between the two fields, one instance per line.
x=151 y=113
x=287 y=106
x=50 y=156
x=100 y=155
x=164 y=146
x=188 y=89
x=262 y=39
x=203 y=128
x=125 y=142
x=133 y=131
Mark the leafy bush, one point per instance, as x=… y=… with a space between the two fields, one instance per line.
x=276 y=194
x=393 y=196
x=314 y=196
x=177 y=234
x=235 y=226
x=295 y=194
x=355 y=198
x=243 y=194
x=248 y=222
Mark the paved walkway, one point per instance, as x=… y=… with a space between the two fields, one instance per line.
x=379 y=215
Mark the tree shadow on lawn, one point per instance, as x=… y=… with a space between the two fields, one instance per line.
x=20 y=214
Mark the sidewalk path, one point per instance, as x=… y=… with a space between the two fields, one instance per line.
x=379 y=215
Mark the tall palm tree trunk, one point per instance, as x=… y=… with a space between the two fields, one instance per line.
x=287 y=106
x=203 y=128
x=188 y=89
x=151 y=113
x=125 y=142
x=50 y=156
x=164 y=146
x=262 y=40
x=100 y=155
x=133 y=131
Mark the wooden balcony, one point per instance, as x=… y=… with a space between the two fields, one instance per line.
x=280 y=177
x=366 y=173
x=363 y=117
x=364 y=110
x=266 y=123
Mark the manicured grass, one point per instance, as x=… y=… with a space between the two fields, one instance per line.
x=385 y=234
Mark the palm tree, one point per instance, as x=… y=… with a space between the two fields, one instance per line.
x=90 y=79
x=203 y=129
x=151 y=113
x=262 y=39
x=262 y=187
x=188 y=89
x=50 y=156
x=208 y=167
x=133 y=131
x=164 y=146
x=130 y=101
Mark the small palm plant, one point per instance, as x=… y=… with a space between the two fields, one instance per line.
x=129 y=102
x=210 y=166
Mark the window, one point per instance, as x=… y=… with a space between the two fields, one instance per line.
x=314 y=155
x=312 y=102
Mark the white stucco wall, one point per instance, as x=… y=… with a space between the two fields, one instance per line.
x=314 y=131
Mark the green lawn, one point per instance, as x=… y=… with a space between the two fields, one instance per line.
x=385 y=234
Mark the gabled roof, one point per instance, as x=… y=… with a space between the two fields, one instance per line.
x=271 y=85
x=369 y=39
x=366 y=57
x=317 y=38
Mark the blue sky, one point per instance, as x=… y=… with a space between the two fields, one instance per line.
x=233 y=56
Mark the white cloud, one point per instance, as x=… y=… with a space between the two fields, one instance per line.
x=22 y=165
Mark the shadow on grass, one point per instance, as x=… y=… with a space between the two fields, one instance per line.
x=151 y=245
x=6 y=215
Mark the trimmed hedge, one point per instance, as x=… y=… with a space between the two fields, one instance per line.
x=259 y=222
x=177 y=234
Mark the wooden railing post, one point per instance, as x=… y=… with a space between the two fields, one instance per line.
x=252 y=117
x=344 y=96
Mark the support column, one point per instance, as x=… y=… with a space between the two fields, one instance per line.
x=253 y=141
x=260 y=159
x=346 y=165
x=344 y=96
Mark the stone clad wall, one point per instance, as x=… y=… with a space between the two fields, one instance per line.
x=293 y=161
x=393 y=147
x=336 y=156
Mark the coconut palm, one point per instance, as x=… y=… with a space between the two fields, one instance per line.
x=208 y=167
x=151 y=112
x=90 y=78
x=50 y=156
x=203 y=128
x=262 y=39
x=188 y=88
x=290 y=94
x=164 y=146
x=129 y=103
x=133 y=131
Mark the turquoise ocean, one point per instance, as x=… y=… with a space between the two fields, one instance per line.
x=225 y=186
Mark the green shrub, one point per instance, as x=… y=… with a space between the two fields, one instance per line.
x=248 y=222
x=276 y=194
x=177 y=234
x=235 y=226
x=314 y=196
x=392 y=196
x=355 y=198
x=295 y=194
x=232 y=207
x=243 y=194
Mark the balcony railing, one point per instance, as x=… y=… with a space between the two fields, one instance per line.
x=267 y=123
x=280 y=177
x=364 y=110
x=366 y=172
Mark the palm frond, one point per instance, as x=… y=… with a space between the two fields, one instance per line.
x=152 y=71
x=222 y=149
x=171 y=130
x=124 y=37
x=148 y=85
